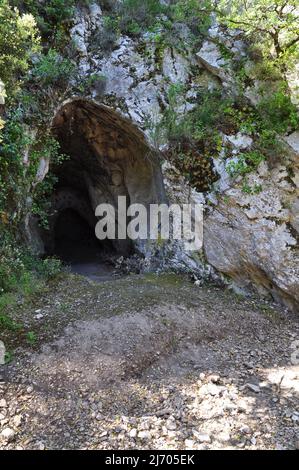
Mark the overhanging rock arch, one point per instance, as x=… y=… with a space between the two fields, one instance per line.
x=108 y=157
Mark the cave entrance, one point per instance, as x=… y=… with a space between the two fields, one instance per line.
x=76 y=245
x=107 y=157
x=75 y=241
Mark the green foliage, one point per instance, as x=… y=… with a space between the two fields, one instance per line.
x=201 y=123
x=6 y=323
x=31 y=338
x=209 y=112
x=17 y=179
x=52 y=16
x=104 y=39
x=251 y=190
x=47 y=148
x=245 y=163
x=273 y=26
x=214 y=113
x=193 y=136
x=8 y=357
x=48 y=268
x=20 y=269
x=11 y=265
x=264 y=70
x=175 y=127
x=96 y=82
x=13 y=172
x=20 y=152
x=136 y=16
x=195 y=14
x=18 y=40
x=278 y=112
x=52 y=69
x=26 y=280
x=22 y=275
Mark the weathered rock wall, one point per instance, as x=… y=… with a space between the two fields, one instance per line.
x=253 y=239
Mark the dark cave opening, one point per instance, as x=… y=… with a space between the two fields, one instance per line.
x=75 y=241
x=107 y=157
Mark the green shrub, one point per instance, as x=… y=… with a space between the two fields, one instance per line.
x=195 y=14
x=95 y=82
x=18 y=40
x=49 y=268
x=20 y=270
x=11 y=266
x=248 y=189
x=278 y=112
x=16 y=179
x=193 y=136
x=138 y=15
x=31 y=338
x=271 y=25
x=51 y=15
x=13 y=182
x=49 y=149
x=202 y=122
x=245 y=163
x=6 y=323
x=104 y=39
x=52 y=69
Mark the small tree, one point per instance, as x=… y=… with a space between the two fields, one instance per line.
x=18 y=40
x=273 y=24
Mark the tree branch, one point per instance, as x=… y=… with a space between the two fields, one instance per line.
x=291 y=43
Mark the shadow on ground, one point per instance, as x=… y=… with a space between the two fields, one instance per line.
x=153 y=363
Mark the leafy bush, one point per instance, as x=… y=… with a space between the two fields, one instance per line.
x=133 y=17
x=13 y=182
x=138 y=15
x=47 y=268
x=53 y=69
x=271 y=24
x=51 y=15
x=193 y=136
x=21 y=273
x=104 y=39
x=95 y=82
x=278 y=112
x=17 y=178
x=6 y=323
x=49 y=149
x=245 y=163
x=195 y=14
x=11 y=265
x=20 y=269
x=18 y=40
x=202 y=122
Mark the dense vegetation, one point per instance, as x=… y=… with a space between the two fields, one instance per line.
x=38 y=68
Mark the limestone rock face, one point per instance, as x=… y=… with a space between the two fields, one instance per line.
x=136 y=85
x=252 y=239
x=108 y=158
x=210 y=56
x=2 y=93
x=293 y=141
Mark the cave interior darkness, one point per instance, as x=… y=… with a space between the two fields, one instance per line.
x=107 y=157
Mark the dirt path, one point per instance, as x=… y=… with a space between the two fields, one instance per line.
x=151 y=363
